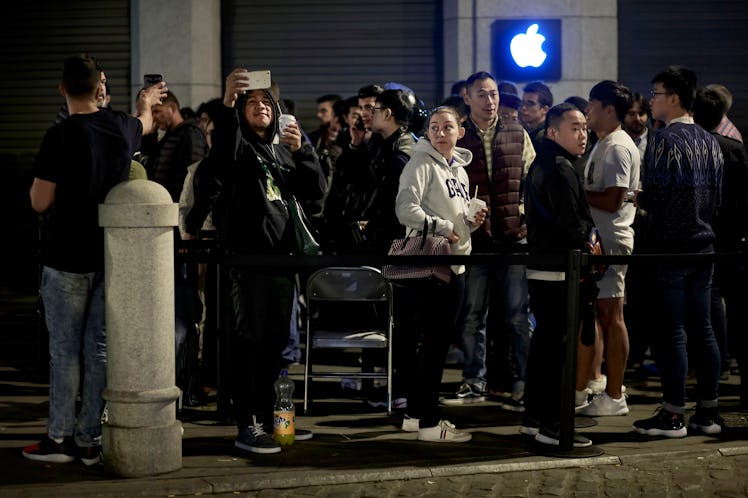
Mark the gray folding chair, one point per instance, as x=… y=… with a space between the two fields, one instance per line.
x=342 y=286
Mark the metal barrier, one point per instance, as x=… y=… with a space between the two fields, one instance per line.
x=206 y=251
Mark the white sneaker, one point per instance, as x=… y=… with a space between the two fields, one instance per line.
x=443 y=432
x=603 y=406
x=400 y=404
x=598 y=385
x=410 y=424
x=581 y=399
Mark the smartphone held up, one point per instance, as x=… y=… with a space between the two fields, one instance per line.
x=152 y=79
x=255 y=80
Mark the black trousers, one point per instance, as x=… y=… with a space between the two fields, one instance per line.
x=425 y=320
x=545 y=361
x=262 y=319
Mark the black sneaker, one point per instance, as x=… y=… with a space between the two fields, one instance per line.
x=513 y=404
x=48 y=450
x=706 y=420
x=664 y=423
x=255 y=439
x=465 y=395
x=90 y=455
x=550 y=436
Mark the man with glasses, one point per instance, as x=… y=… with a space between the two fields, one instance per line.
x=681 y=193
x=350 y=190
x=536 y=100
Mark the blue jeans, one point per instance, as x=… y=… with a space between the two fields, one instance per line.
x=496 y=300
x=74 y=313
x=684 y=311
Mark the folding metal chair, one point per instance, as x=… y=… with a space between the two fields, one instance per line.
x=346 y=286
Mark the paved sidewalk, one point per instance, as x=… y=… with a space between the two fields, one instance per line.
x=360 y=452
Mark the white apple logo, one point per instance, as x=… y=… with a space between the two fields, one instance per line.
x=527 y=49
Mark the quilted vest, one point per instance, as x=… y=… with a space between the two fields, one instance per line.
x=501 y=192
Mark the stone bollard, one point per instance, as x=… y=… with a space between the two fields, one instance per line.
x=142 y=435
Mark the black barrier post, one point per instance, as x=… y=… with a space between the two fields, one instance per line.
x=223 y=347
x=569 y=369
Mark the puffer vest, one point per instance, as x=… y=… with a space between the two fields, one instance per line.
x=501 y=192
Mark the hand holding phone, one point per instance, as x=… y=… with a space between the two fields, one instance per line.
x=253 y=80
x=241 y=81
x=152 y=79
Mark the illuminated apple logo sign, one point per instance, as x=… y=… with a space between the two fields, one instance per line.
x=527 y=48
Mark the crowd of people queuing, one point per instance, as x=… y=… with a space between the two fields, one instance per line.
x=661 y=173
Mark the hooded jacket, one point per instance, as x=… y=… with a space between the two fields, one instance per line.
x=434 y=189
x=257 y=176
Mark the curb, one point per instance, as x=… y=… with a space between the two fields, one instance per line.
x=231 y=483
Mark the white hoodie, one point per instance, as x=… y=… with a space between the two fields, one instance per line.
x=433 y=189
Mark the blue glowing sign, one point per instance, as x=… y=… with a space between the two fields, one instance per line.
x=526 y=49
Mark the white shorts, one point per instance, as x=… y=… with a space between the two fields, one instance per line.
x=613 y=282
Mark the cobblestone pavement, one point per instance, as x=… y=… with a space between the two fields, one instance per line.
x=681 y=474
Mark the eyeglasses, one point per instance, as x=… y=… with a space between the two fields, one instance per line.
x=368 y=107
x=377 y=108
x=653 y=94
x=529 y=103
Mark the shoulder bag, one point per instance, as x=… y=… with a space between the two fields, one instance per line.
x=425 y=245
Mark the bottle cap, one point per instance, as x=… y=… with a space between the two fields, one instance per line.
x=284 y=372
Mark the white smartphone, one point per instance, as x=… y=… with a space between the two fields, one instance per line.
x=259 y=80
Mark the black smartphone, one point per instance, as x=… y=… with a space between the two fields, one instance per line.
x=360 y=124
x=152 y=79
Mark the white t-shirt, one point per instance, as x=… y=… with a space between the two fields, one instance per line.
x=614 y=162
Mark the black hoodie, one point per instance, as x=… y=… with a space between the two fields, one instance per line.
x=258 y=176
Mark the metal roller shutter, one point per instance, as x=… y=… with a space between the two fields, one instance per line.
x=36 y=38
x=709 y=37
x=336 y=46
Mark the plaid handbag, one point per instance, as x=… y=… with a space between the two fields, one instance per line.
x=425 y=245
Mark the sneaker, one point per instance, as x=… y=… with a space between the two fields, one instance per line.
x=465 y=395
x=513 y=404
x=255 y=439
x=410 y=424
x=303 y=434
x=706 y=420
x=443 y=432
x=550 y=436
x=494 y=392
x=378 y=398
x=48 y=450
x=581 y=399
x=603 y=405
x=377 y=403
x=400 y=404
x=529 y=427
x=664 y=423
x=598 y=385
x=90 y=455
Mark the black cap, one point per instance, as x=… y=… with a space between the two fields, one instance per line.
x=510 y=100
